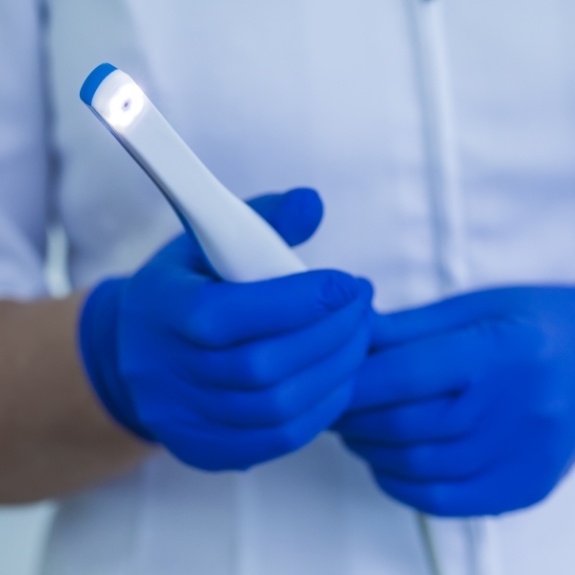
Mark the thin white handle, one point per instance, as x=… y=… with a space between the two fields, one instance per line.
x=240 y=245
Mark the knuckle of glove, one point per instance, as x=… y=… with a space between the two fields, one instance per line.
x=436 y=500
x=432 y=498
x=397 y=428
x=257 y=367
x=280 y=407
x=285 y=439
x=204 y=320
x=417 y=462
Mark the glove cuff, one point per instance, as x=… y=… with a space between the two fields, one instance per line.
x=98 y=339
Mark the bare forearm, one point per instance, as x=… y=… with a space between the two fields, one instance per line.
x=54 y=435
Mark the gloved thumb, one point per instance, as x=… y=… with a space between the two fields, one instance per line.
x=295 y=214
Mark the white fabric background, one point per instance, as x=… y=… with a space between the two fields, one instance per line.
x=22 y=535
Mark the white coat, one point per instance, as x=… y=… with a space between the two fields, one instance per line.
x=441 y=135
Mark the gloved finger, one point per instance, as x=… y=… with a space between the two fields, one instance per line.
x=413 y=372
x=445 y=364
x=273 y=406
x=295 y=214
x=268 y=361
x=219 y=315
x=224 y=448
x=462 y=458
x=505 y=487
x=440 y=418
x=450 y=314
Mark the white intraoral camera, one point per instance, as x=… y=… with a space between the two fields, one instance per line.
x=239 y=244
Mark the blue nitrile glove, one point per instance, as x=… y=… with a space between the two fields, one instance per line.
x=228 y=375
x=467 y=407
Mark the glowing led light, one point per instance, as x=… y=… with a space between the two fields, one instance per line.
x=125 y=105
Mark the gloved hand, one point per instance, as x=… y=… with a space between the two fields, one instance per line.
x=227 y=375
x=467 y=407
